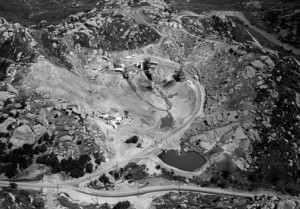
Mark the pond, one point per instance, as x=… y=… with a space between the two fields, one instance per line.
x=167 y=122
x=186 y=161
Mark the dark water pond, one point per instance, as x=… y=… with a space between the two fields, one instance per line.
x=186 y=161
x=167 y=122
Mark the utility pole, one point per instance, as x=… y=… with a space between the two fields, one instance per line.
x=138 y=190
x=97 y=201
x=117 y=165
x=57 y=187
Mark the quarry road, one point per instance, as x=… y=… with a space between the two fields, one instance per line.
x=148 y=24
x=242 y=17
x=151 y=150
x=176 y=133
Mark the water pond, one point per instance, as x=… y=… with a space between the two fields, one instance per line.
x=186 y=161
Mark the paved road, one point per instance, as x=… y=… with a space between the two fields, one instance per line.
x=147 y=190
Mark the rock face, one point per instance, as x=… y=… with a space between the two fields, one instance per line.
x=22 y=135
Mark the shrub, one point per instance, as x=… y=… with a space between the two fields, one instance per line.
x=13 y=185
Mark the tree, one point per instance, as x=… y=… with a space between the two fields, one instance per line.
x=11 y=170
x=89 y=167
x=105 y=206
x=23 y=162
x=104 y=179
x=76 y=173
x=98 y=161
x=122 y=205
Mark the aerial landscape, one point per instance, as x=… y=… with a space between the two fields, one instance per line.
x=149 y=104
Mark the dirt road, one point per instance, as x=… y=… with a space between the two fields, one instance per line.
x=242 y=17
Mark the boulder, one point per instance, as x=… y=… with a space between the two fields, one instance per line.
x=268 y=61
x=250 y=71
x=66 y=138
x=298 y=99
x=258 y=64
x=39 y=129
x=23 y=135
x=92 y=22
x=4 y=95
x=239 y=134
x=232 y=116
x=11 y=89
x=253 y=135
x=42 y=120
x=13 y=113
